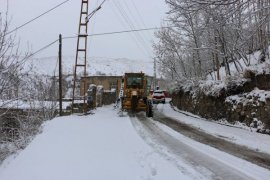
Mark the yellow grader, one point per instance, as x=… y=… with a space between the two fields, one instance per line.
x=135 y=96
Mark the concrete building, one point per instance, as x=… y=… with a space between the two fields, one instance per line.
x=108 y=82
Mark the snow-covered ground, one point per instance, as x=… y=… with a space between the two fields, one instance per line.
x=253 y=65
x=105 y=146
x=100 y=146
x=238 y=135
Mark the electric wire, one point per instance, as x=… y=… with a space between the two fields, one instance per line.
x=89 y=16
x=55 y=67
x=35 y=18
x=120 y=32
x=92 y=27
x=129 y=31
x=131 y=26
x=138 y=12
x=125 y=24
x=139 y=15
x=122 y=21
x=122 y=11
x=136 y=22
x=41 y=49
x=91 y=35
x=146 y=46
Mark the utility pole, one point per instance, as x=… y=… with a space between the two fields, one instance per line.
x=81 y=53
x=60 y=74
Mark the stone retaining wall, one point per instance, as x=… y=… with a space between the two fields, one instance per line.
x=205 y=106
x=247 y=107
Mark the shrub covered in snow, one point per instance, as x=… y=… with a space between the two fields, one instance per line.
x=214 y=88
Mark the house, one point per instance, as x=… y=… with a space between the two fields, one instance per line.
x=108 y=82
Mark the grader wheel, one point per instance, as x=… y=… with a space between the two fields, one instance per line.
x=149 y=110
x=134 y=103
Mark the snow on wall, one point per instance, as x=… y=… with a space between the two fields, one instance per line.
x=211 y=87
x=252 y=107
x=256 y=94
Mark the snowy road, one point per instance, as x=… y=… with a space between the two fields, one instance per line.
x=217 y=165
x=104 y=146
x=243 y=152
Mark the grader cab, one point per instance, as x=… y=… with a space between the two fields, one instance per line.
x=135 y=95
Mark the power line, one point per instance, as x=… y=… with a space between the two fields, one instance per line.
x=92 y=27
x=89 y=16
x=126 y=20
x=128 y=31
x=121 y=32
x=139 y=15
x=57 y=62
x=131 y=25
x=138 y=12
x=41 y=49
x=122 y=20
x=95 y=34
x=135 y=22
x=35 y=18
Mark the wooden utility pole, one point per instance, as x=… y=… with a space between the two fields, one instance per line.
x=60 y=74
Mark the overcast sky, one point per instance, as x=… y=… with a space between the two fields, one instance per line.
x=65 y=20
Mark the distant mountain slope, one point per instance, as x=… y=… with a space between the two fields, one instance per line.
x=95 y=66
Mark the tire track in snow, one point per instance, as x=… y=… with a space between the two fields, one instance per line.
x=168 y=145
x=243 y=152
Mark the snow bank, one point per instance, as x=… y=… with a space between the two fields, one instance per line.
x=212 y=88
x=255 y=95
x=253 y=140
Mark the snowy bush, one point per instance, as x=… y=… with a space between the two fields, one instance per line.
x=28 y=125
x=212 y=88
x=23 y=97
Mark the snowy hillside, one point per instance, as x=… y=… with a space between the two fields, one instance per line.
x=239 y=67
x=95 y=66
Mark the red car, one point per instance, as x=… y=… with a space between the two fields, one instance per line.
x=158 y=96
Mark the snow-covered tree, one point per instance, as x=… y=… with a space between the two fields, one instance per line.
x=208 y=34
x=20 y=89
